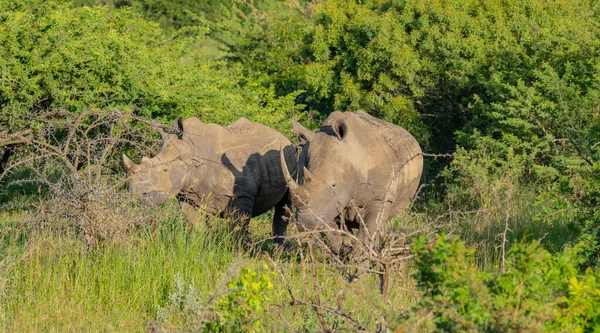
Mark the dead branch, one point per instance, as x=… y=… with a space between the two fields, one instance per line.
x=448 y=155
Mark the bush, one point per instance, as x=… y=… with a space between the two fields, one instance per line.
x=531 y=291
x=520 y=73
x=239 y=308
x=59 y=59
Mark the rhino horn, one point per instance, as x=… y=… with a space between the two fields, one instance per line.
x=146 y=161
x=130 y=167
x=302 y=131
x=308 y=176
x=292 y=184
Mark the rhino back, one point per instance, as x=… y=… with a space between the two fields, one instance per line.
x=264 y=163
x=249 y=152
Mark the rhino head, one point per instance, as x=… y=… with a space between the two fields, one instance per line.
x=163 y=176
x=327 y=177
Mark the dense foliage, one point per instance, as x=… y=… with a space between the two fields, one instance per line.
x=510 y=87
x=534 y=291
x=55 y=57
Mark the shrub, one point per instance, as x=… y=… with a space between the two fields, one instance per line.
x=238 y=308
x=58 y=59
x=533 y=291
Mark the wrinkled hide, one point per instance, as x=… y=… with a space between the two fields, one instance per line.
x=355 y=173
x=234 y=169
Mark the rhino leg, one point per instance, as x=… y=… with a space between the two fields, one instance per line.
x=335 y=242
x=281 y=218
x=371 y=225
x=242 y=212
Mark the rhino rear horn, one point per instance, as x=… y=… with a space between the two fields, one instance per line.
x=130 y=167
x=302 y=131
x=146 y=161
x=308 y=176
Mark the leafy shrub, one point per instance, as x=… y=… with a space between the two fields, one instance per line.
x=239 y=308
x=533 y=291
x=520 y=73
x=589 y=241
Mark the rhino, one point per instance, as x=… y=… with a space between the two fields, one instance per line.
x=354 y=174
x=234 y=169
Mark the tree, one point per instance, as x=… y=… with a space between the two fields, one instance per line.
x=56 y=57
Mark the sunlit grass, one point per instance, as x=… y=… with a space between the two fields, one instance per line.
x=54 y=282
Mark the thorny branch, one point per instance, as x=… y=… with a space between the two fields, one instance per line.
x=76 y=141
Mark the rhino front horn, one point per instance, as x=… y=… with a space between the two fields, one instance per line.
x=130 y=167
x=292 y=184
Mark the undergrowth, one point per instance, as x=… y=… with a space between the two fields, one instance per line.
x=171 y=275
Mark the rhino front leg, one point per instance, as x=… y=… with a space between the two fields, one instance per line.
x=242 y=212
x=372 y=226
x=281 y=218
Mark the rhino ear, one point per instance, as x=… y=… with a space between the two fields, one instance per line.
x=178 y=128
x=340 y=128
x=302 y=131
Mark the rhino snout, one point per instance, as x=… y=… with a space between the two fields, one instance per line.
x=310 y=224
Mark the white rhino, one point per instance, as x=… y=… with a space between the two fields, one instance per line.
x=232 y=169
x=355 y=173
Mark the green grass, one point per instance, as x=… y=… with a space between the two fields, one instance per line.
x=528 y=216
x=50 y=281
x=57 y=283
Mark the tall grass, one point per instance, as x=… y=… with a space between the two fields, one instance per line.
x=53 y=281
x=56 y=282
x=510 y=212
x=58 y=274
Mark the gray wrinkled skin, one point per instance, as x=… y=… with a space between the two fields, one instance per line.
x=234 y=169
x=355 y=173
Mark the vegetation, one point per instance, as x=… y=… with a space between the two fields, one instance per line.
x=508 y=89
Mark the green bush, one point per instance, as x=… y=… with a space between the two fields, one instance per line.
x=58 y=57
x=532 y=291
x=521 y=73
x=247 y=299
x=239 y=308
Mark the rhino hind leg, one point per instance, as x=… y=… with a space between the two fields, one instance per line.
x=281 y=218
